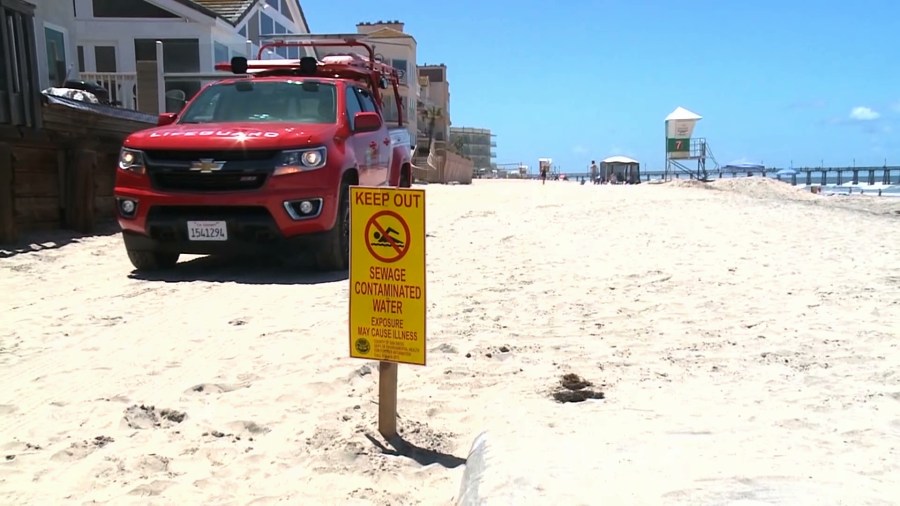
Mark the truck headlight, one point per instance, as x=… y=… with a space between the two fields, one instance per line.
x=131 y=160
x=301 y=160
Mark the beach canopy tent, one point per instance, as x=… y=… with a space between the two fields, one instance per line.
x=749 y=168
x=787 y=172
x=620 y=169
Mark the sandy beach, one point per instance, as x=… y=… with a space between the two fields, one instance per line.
x=744 y=336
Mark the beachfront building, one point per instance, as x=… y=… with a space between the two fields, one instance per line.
x=433 y=106
x=476 y=144
x=113 y=42
x=394 y=46
x=621 y=169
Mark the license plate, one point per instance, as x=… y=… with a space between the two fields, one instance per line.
x=207 y=231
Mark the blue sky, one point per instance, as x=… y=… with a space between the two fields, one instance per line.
x=775 y=81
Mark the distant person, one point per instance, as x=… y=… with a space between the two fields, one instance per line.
x=595 y=172
x=544 y=175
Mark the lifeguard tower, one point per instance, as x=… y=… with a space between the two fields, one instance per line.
x=682 y=149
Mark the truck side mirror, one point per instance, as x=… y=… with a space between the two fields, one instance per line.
x=366 y=122
x=166 y=118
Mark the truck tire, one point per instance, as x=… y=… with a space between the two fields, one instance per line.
x=152 y=260
x=405 y=177
x=334 y=252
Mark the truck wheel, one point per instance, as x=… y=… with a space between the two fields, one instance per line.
x=334 y=253
x=152 y=260
x=405 y=178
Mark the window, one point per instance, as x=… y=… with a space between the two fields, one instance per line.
x=17 y=55
x=285 y=11
x=365 y=98
x=18 y=74
x=56 y=55
x=179 y=55
x=128 y=9
x=105 y=58
x=401 y=66
x=279 y=28
x=221 y=52
x=266 y=25
x=4 y=82
x=273 y=3
x=253 y=28
x=292 y=101
x=353 y=106
x=81 y=58
x=243 y=31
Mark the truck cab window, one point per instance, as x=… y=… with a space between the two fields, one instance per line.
x=365 y=98
x=353 y=106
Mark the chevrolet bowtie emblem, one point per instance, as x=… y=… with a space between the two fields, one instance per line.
x=206 y=165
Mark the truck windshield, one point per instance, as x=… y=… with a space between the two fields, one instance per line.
x=243 y=101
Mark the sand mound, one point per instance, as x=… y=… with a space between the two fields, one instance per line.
x=764 y=187
x=757 y=187
x=689 y=183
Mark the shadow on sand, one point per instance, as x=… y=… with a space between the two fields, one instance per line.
x=243 y=270
x=422 y=456
x=35 y=242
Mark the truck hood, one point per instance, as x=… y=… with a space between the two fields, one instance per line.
x=232 y=135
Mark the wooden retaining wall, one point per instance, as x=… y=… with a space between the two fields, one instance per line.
x=62 y=175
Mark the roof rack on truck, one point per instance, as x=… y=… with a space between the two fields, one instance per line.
x=350 y=65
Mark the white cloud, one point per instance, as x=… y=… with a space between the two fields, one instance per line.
x=862 y=113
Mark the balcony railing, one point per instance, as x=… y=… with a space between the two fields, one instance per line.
x=122 y=86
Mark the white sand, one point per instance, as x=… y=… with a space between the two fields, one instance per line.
x=747 y=346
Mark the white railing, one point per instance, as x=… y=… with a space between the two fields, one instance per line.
x=122 y=86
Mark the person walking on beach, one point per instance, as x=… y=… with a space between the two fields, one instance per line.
x=595 y=171
x=544 y=170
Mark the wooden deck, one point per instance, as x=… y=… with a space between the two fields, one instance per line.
x=61 y=175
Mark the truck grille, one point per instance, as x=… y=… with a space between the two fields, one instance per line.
x=222 y=181
x=242 y=170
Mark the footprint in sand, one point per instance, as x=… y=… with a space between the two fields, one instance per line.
x=242 y=427
x=81 y=449
x=215 y=388
x=154 y=488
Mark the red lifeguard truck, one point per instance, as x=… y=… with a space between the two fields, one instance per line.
x=263 y=161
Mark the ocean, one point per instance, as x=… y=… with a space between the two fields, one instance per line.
x=831 y=181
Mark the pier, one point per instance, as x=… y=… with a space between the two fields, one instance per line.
x=886 y=175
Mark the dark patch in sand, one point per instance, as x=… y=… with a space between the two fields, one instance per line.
x=148 y=417
x=574 y=388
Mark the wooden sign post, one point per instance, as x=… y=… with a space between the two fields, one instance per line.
x=387 y=287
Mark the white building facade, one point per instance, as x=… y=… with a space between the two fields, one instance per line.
x=109 y=41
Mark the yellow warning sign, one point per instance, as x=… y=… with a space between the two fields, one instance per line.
x=387 y=274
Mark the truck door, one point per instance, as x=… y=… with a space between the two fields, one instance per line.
x=382 y=150
x=362 y=142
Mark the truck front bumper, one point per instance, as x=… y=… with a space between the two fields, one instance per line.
x=255 y=222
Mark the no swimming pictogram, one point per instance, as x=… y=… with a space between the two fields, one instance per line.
x=387 y=236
